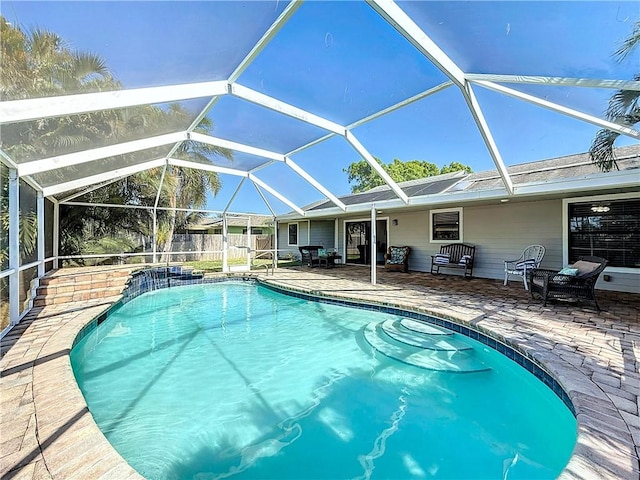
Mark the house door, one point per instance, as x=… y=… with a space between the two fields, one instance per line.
x=358 y=241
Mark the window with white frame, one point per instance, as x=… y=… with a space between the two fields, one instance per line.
x=446 y=225
x=605 y=228
x=293 y=234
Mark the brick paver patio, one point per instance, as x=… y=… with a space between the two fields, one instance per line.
x=46 y=430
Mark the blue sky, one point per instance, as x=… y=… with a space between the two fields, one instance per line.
x=342 y=61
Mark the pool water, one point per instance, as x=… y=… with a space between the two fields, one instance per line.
x=236 y=380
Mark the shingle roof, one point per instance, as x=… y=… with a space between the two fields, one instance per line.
x=570 y=166
x=567 y=167
x=256 y=221
x=422 y=186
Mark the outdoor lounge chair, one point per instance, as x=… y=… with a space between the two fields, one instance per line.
x=397 y=259
x=309 y=255
x=574 y=282
x=529 y=260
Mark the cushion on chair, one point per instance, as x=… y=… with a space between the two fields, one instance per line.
x=397 y=255
x=441 y=258
x=322 y=252
x=572 y=272
x=530 y=263
x=465 y=260
x=584 y=267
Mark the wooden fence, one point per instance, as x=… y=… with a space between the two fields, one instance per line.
x=237 y=244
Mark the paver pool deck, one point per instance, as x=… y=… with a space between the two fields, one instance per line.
x=46 y=429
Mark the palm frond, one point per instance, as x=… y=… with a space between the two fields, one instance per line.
x=87 y=65
x=623 y=102
x=629 y=44
x=601 y=152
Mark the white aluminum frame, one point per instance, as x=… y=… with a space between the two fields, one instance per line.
x=40 y=108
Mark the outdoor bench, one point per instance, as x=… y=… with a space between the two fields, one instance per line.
x=456 y=256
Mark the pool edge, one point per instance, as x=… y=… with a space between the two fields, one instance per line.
x=581 y=391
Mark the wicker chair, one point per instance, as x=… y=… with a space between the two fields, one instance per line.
x=529 y=260
x=309 y=255
x=575 y=282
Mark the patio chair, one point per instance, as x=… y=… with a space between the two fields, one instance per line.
x=309 y=255
x=397 y=259
x=529 y=260
x=574 y=282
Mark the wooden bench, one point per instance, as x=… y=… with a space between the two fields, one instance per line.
x=457 y=256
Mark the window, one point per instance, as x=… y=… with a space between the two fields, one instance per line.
x=293 y=234
x=446 y=225
x=606 y=228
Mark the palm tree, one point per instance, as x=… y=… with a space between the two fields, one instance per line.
x=189 y=187
x=37 y=64
x=623 y=108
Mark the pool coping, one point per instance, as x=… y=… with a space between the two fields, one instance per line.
x=586 y=398
x=69 y=444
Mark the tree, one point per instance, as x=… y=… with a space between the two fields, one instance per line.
x=189 y=187
x=40 y=64
x=456 y=167
x=37 y=64
x=623 y=109
x=363 y=177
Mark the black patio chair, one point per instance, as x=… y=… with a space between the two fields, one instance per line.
x=309 y=255
x=575 y=282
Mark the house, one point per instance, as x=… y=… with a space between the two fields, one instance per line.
x=260 y=225
x=566 y=204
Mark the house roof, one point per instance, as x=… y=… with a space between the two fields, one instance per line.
x=236 y=221
x=554 y=169
x=545 y=176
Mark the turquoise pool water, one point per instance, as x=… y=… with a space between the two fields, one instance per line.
x=236 y=380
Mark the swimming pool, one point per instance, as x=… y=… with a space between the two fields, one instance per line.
x=237 y=380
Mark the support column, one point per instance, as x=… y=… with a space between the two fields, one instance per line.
x=336 y=234
x=14 y=246
x=41 y=246
x=249 y=243
x=275 y=244
x=56 y=234
x=155 y=235
x=374 y=249
x=225 y=244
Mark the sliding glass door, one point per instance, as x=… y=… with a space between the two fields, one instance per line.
x=358 y=241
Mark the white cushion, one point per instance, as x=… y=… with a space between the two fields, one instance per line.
x=441 y=258
x=528 y=264
x=465 y=260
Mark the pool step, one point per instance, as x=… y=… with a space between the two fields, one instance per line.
x=397 y=331
x=447 y=359
x=421 y=327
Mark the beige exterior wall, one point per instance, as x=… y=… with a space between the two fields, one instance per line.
x=499 y=232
